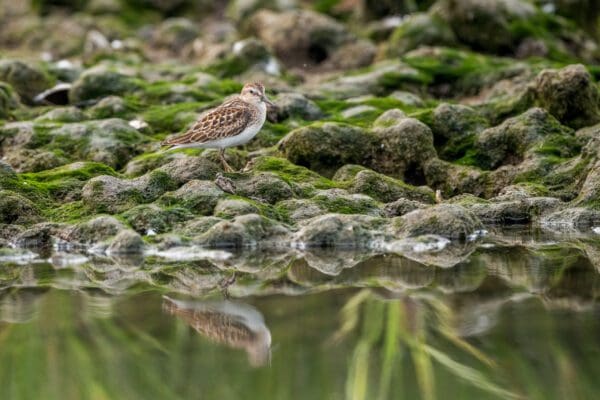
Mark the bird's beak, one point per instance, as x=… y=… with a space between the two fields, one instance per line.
x=264 y=98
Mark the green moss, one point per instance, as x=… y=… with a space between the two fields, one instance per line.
x=169 y=118
x=81 y=171
x=71 y=212
x=347 y=204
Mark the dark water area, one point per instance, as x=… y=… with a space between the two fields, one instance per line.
x=516 y=317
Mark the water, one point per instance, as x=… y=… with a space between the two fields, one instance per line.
x=517 y=317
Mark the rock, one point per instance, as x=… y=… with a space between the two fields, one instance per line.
x=300 y=209
x=340 y=231
x=199 y=197
x=341 y=202
x=302 y=37
x=264 y=186
x=572 y=218
x=95 y=230
x=420 y=29
x=97 y=83
x=37 y=237
x=408 y=98
x=590 y=191
x=402 y=206
x=110 y=107
x=447 y=220
x=453 y=179
x=487 y=24
x=454 y=128
x=9 y=101
x=569 y=94
x=249 y=230
x=230 y=208
x=403 y=150
x=26 y=80
x=175 y=33
x=150 y=219
x=389 y=118
x=358 y=111
x=113 y=195
x=63 y=114
x=126 y=242
x=56 y=95
x=16 y=209
x=386 y=189
x=513 y=211
x=198 y=226
x=184 y=169
x=295 y=105
x=325 y=147
x=24 y=160
x=509 y=142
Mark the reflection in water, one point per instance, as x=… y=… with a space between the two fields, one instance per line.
x=236 y=325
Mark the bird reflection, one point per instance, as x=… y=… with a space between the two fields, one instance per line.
x=236 y=325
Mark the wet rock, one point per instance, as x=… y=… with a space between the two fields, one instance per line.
x=340 y=231
x=454 y=127
x=304 y=37
x=572 y=218
x=454 y=179
x=358 y=111
x=126 y=242
x=150 y=219
x=509 y=142
x=386 y=189
x=569 y=94
x=249 y=230
x=25 y=160
x=38 y=236
x=389 y=118
x=325 y=147
x=197 y=196
x=56 y=95
x=447 y=220
x=265 y=186
x=198 y=226
x=9 y=101
x=230 y=208
x=295 y=105
x=590 y=191
x=417 y=30
x=97 y=83
x=402 y=206
x=513 y=211
x=26 y=80
x=95 y=230
x=403 y=150
x=16 y=209
x=341 y=202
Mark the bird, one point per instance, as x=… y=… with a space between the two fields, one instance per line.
x=233 y=123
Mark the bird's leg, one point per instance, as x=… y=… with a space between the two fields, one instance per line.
x=226 y=166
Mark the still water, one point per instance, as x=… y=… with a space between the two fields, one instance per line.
x=516 y=316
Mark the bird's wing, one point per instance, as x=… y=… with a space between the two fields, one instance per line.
x=229 y=119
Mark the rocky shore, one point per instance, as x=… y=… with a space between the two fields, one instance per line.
x=494 y=105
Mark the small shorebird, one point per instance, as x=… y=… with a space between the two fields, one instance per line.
x=233 y=123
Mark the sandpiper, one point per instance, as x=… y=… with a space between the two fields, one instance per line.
x=233 y=123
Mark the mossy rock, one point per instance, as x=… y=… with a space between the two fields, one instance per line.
x=196 y=196
x=448 y=220
x=325 y=147
x=386 y=189
x=420 y=29
x=264 y=186
x=16 y=209
x=95 y=84
x=339 y=201
x=233 y=207
x=28 y=81
x=9 y=100
x=150 y=219
x=244 y=231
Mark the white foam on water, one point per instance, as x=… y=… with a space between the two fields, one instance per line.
x=420 y=244
x=596 y=230
x=21 y=258
x=189 y=254
x=477 y=234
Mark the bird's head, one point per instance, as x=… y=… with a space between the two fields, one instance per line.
x=255 y=93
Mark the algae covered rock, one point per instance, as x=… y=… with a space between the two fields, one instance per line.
x=264 y=186
x=197 y=196
x=291 y=104
x=97 y=83
x=230 y=208
x=27 y=80
x=569 y=94
x=8 y=100
x=175 y=33
x=16 y=209
x=126 y=242
x=386 y=189
x=454 y=128
x=508 y=142
x=326 y=147
x=340 y=231
x=420 y=29
x=341 y=202
x=95 y=230
x=150 y=219
x=403 y=149
x=448 y=220
x=249 y=230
